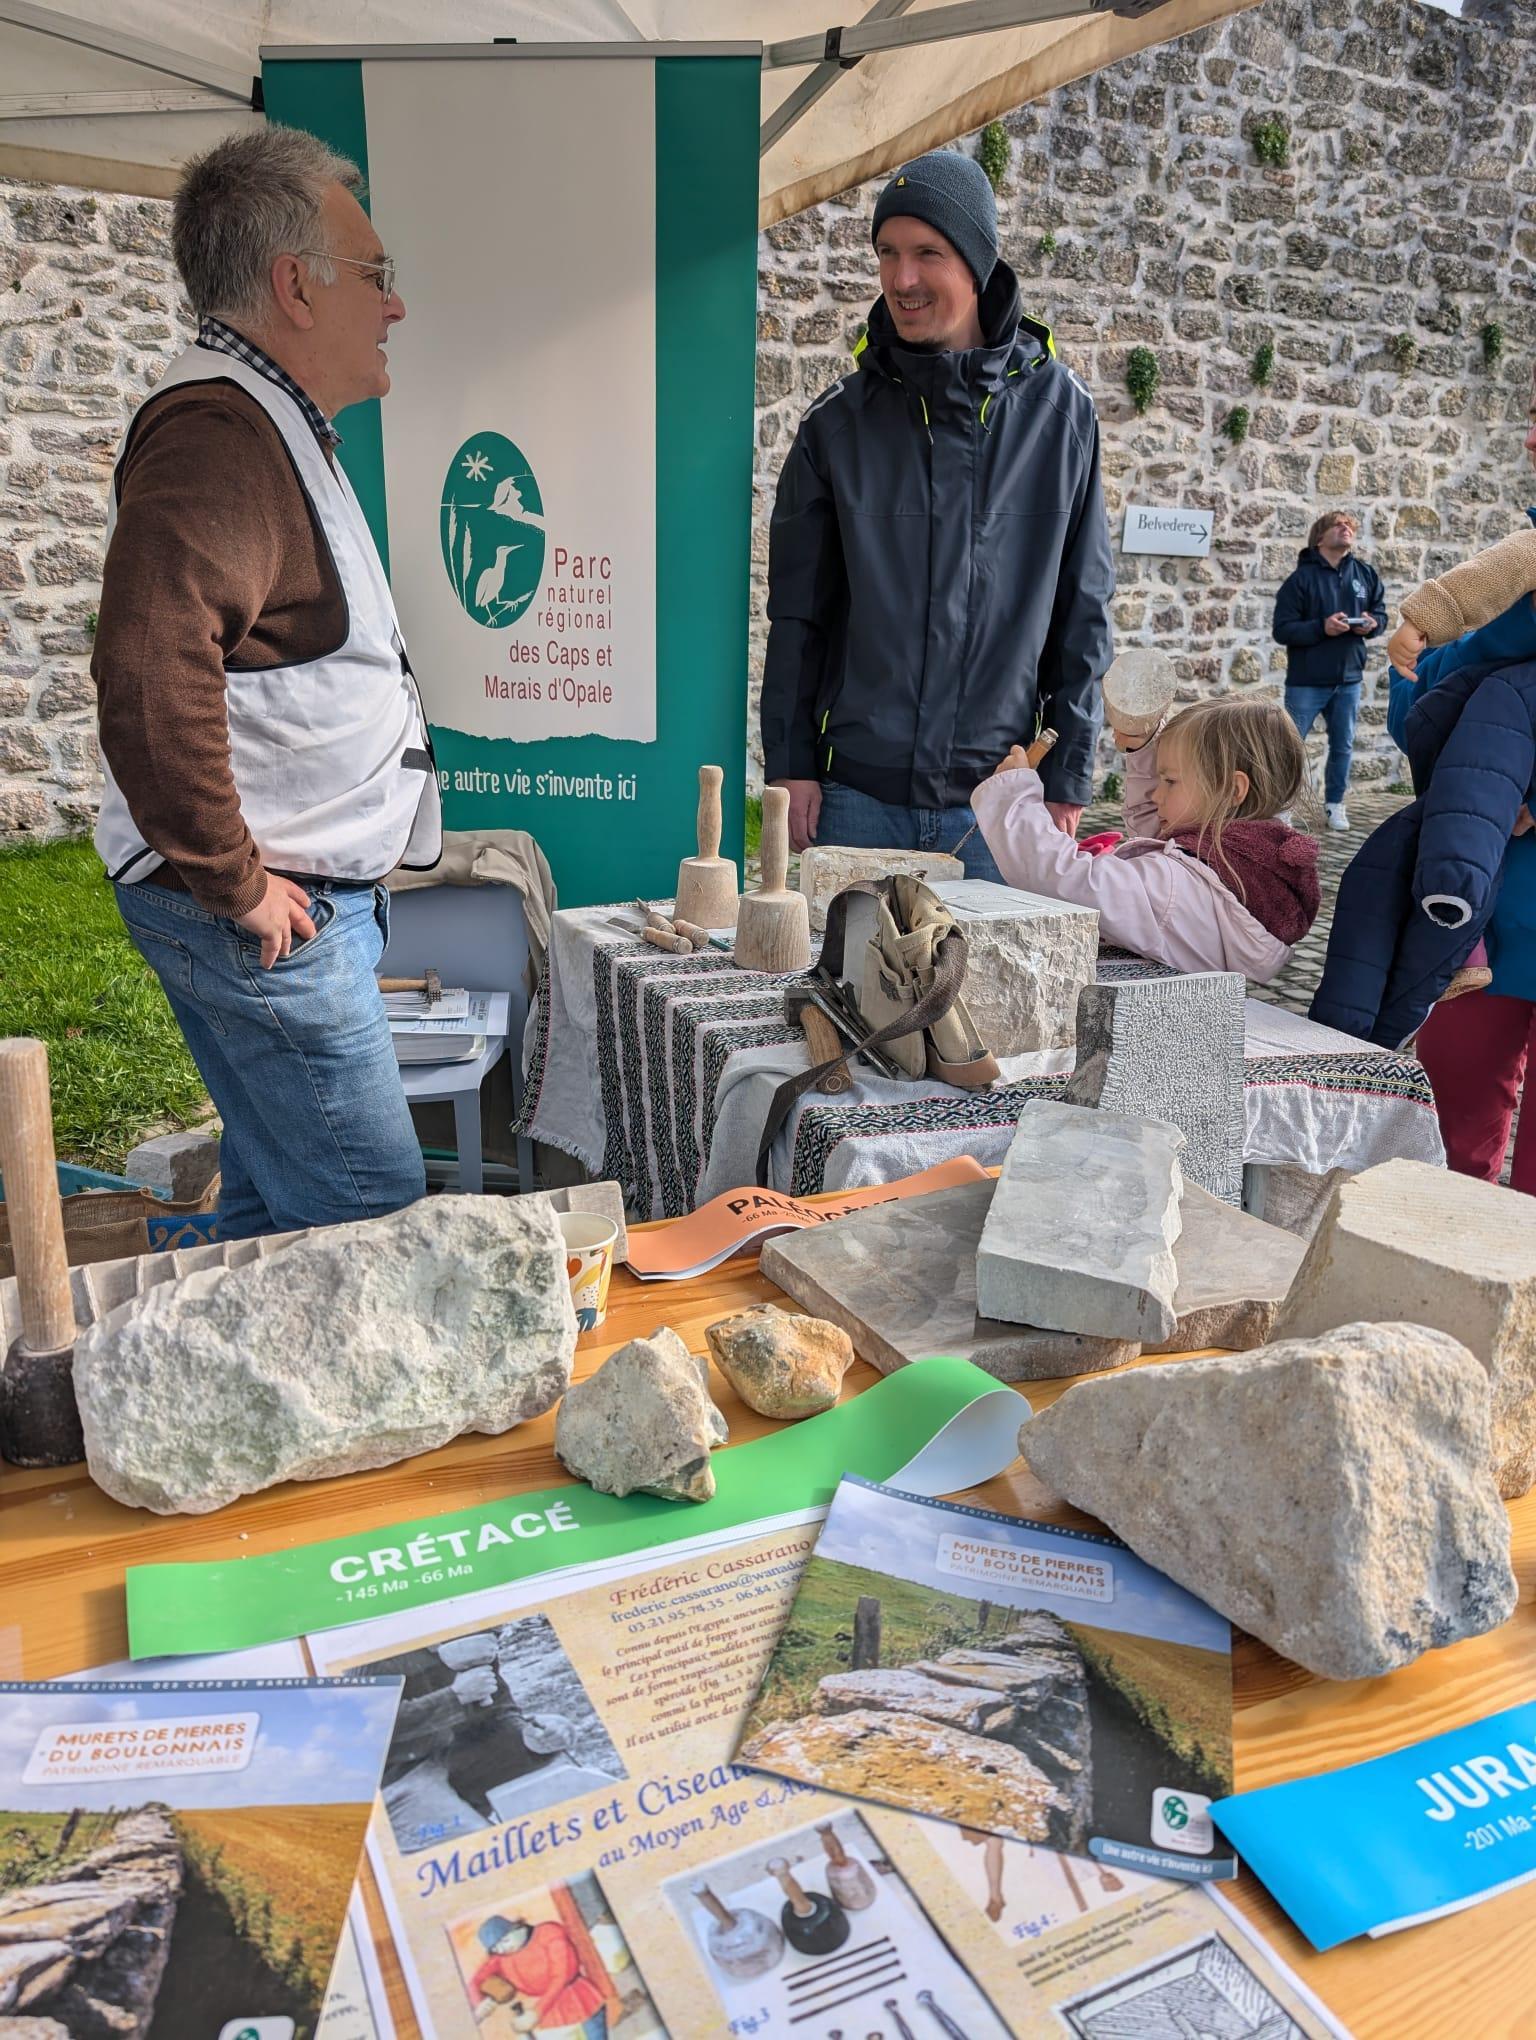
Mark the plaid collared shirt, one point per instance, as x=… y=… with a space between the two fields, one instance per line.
x=225 y=340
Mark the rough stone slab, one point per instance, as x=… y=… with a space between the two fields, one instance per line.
x=826 y=868
x=781 y=1364
x=1405 y=1240
x=177 y=1165
x=900 y=1278
x=899 y=1760
x=1331 y=1496
x=1028 y=961
x=643 y=1423
x=1171 y=1048
x=1081 y=1230
x=353 y=1347
x=973 y=1708
x=33 y=1971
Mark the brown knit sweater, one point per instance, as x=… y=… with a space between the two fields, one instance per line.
x=216 y=562
x=1475 y=592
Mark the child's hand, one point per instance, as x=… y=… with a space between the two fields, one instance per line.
x=1404 y=648
x=1016 y=761
x=1124 y=742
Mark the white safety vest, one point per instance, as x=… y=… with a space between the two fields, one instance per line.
x=331 y=759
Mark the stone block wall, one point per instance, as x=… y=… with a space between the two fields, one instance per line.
x=90 y=313
x=83 y=1948
x=1137 y=212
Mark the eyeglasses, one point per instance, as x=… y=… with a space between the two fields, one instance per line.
x=382 y=271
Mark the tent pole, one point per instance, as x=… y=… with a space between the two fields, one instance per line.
x=939 y=24
x=821 y=80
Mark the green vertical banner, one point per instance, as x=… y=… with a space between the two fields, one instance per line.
x=560 y=477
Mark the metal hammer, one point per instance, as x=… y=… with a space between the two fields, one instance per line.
x=39 y=1422
x=430 y=986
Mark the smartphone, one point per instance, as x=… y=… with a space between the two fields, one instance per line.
x=1356 y=622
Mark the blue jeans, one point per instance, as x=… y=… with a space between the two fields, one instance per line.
x=1338 y=707
x=860 y=822
x=297 y=1058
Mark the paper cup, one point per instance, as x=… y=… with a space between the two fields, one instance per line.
x=589 y=1245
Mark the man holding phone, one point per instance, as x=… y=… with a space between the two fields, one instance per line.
x=1323 y=615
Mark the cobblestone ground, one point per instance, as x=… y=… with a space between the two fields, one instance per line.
x=1368 y=807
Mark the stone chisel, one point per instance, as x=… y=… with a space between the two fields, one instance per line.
x=1037 y=750
x=39 y=1422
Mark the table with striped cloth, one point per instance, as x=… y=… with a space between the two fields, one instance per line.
x=655 y=1070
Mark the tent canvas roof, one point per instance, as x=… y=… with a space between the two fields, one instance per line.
x=116 y=94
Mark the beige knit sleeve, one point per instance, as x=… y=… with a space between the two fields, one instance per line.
x=1475 y=592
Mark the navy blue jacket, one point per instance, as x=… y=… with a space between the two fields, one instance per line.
x=1422 y=888
x=1315 y=592
x=939 y=569
x=1508 y=641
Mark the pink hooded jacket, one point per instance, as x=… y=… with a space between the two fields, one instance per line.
x=1151 y=896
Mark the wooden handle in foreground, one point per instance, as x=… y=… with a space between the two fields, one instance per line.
x=773 y=853
x=824 y=1042
x=710 y=777
x=1037 y=750
x=32 y=1197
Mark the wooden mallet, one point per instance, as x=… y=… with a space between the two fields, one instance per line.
x=706 y=884
x=773 y=927
x=39 y=1423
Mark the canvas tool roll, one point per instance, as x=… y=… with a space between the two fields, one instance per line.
x=908 y=1001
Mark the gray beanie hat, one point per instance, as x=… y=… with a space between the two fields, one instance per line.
x=952 y=193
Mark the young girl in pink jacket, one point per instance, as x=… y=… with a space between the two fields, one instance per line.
x=1210 y=878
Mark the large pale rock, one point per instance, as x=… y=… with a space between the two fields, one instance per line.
x=355 y=1346
x=780 y=1363
x=901 y=1760
x=1171 y=1048
x=826 y=868
x=644 y=1423
x=900 y=1278
x=1332 y=1496
x=1082 y=1226
x=1404 y=1240
x=1028 y=961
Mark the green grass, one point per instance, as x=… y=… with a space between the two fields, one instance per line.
x=118 y=1064
x=1176 y=1690
x=34 y=1847
x=915 y=1622
x=754 y=824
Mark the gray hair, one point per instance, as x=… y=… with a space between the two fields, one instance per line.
x=242 y=204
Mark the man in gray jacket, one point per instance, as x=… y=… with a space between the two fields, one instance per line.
x=939 y=572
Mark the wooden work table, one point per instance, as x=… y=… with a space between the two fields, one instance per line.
x=64 y=1545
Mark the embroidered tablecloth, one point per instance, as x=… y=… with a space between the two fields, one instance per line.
x=656 y=1071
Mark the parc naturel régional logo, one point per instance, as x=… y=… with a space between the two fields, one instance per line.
x=491 y=524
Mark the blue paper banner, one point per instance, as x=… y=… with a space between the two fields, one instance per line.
x=1427 y=1830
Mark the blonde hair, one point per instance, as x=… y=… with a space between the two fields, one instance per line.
x=1217 y=739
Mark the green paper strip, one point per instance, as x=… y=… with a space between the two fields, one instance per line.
x=182 y=1610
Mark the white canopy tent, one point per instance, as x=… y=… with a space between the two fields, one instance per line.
x=115 y=94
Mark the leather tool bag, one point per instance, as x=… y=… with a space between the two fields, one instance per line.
x=909 y=1005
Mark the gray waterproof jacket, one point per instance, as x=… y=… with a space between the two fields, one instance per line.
x=939 y=572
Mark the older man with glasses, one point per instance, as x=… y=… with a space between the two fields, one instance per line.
x=265 y=750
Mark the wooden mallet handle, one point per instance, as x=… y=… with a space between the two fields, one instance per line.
x=710 y=777
x=36 y=1218
x=773 y=852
